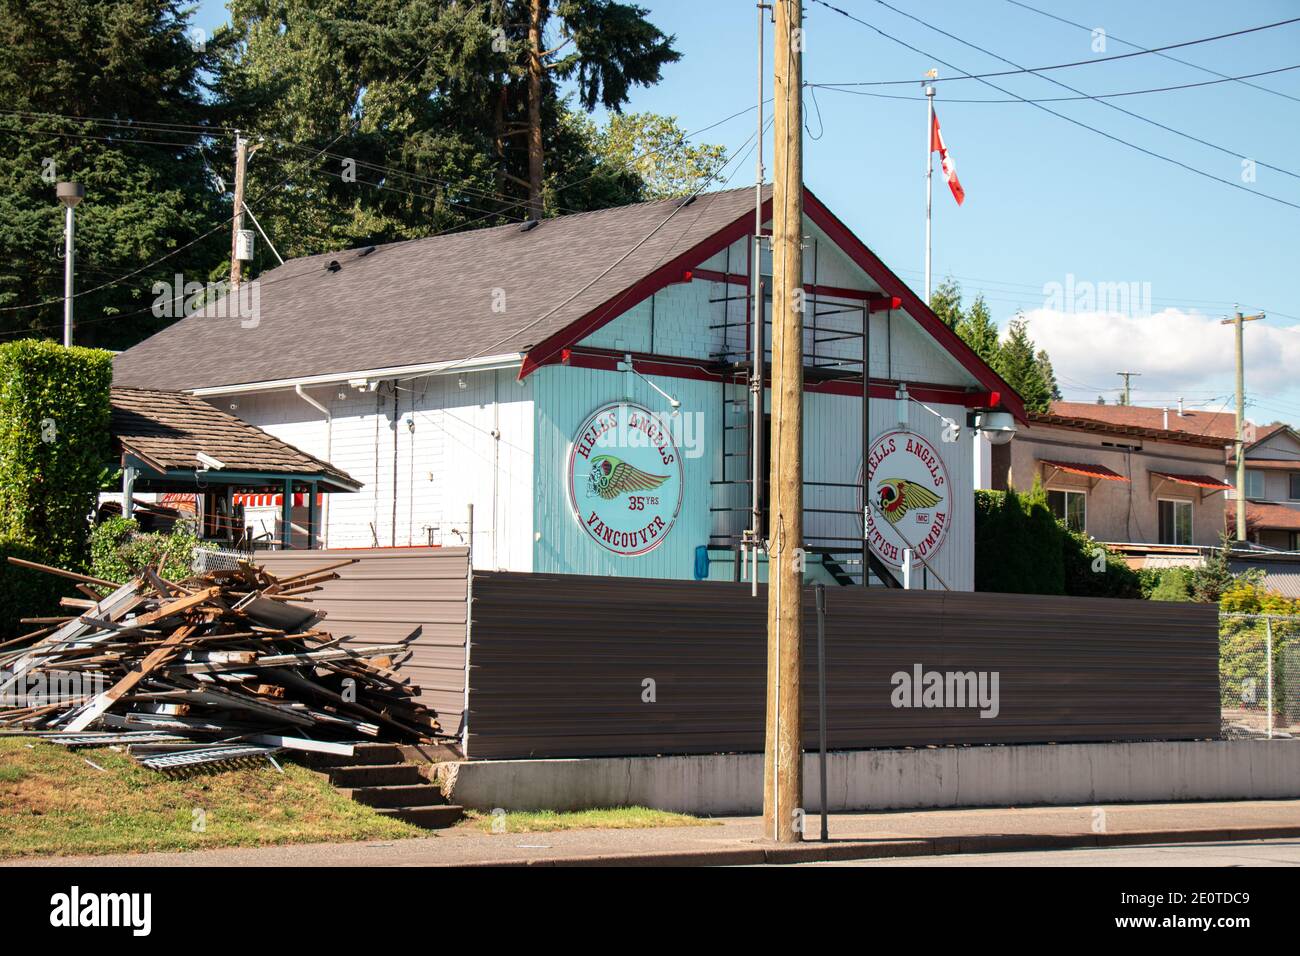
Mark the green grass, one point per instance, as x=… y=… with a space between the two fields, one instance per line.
x=53 y=803
x=615 y=818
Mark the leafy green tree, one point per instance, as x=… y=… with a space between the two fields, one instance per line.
x=656 y=150
x=136 y=68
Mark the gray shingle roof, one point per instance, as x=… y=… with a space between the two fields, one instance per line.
x=428 y=300
x=167 y=430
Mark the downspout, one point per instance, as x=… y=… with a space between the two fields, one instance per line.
x=329 y=452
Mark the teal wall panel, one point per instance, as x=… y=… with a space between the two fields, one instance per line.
x=565 y=397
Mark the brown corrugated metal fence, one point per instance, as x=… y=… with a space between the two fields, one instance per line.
x=559 y=666
x=394 y=594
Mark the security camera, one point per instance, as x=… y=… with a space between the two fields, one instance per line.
x=208 y=463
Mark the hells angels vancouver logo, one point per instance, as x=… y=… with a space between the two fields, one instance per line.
x=625 y=478
x=908 y=489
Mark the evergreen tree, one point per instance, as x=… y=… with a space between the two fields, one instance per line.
x=425 y=110
x=1047 y=374
x=945 y=302
x=978 y=330
x=1018 y=364
x=128 y=64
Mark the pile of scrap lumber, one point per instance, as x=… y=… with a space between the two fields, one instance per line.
x=224 y=665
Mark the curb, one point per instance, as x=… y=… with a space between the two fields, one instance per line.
x=816 y=852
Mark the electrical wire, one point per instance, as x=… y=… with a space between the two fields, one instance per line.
x=1163 y=56
x=1069 y=119
x=1020 y=70
x=845 y=88
x=1108 y=105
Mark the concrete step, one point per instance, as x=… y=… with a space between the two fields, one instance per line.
x=430 y=818
x=361 y=754
x=403 y=795
x=376 y=775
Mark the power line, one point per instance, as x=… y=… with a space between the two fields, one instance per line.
x=1164 y=56
x=1108 y=105
x=1020 y=70
x=1049 y=110
x=845 y=88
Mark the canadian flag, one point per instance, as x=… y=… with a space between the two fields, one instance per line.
x=946 y=161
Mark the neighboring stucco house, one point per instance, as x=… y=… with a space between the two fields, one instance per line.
x=1272 y=488
x=1120 y=483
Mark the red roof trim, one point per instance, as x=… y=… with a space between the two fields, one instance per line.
x=1199 y=481
x=867 y=260
x=1085 y=469
x=545 y=351
x=672 y=271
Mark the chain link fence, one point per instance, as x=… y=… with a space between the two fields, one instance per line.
x=1259 y=675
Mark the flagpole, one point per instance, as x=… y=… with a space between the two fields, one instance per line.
x=929 y=171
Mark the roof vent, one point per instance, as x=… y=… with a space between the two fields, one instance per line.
x=365 y=252
x=684 y=202
x=529 y=224
x=333 y=266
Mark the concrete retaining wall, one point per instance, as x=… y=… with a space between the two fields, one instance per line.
x=1066 y=774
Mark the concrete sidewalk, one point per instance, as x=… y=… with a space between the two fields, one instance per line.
x=738 y=840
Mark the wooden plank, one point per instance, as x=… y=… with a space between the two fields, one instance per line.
x=151 y=661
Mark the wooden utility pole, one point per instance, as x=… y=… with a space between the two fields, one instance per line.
x=783 y=760
x=237 y=223
x=1239 y=321
x=1127 y=398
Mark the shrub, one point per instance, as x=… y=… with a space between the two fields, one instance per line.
x=119 y=551
x=1171 y=585
x=1083 y=578
x=54 y=445
x=24 y=592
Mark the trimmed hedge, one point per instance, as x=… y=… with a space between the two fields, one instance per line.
x=1021 y=548
x=54 y=446
x=26 y=593
x=1017 y=545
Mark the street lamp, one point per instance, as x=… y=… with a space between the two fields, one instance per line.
x=69 y=194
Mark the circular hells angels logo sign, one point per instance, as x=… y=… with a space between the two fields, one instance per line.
x=910 y=497
x=625 y=478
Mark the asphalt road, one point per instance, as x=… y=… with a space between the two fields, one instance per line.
x=1250 y=853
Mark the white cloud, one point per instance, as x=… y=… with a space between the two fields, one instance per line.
x=1176 y=352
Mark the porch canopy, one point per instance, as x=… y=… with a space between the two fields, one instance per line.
x=175 y=442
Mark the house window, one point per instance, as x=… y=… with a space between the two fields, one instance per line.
x=1294 y=491
x=1255 y=484
x=1175 y=521
x=1070 y=507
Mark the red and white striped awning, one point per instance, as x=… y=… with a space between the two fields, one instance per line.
x=300 y=500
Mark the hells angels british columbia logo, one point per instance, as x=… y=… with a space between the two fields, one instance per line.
x=909 y=493
x=625 y=478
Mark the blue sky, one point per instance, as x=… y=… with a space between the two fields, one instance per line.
x=1046 y=200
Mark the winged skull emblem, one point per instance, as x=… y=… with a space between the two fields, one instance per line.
x=611 y=477
x=897 y=496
